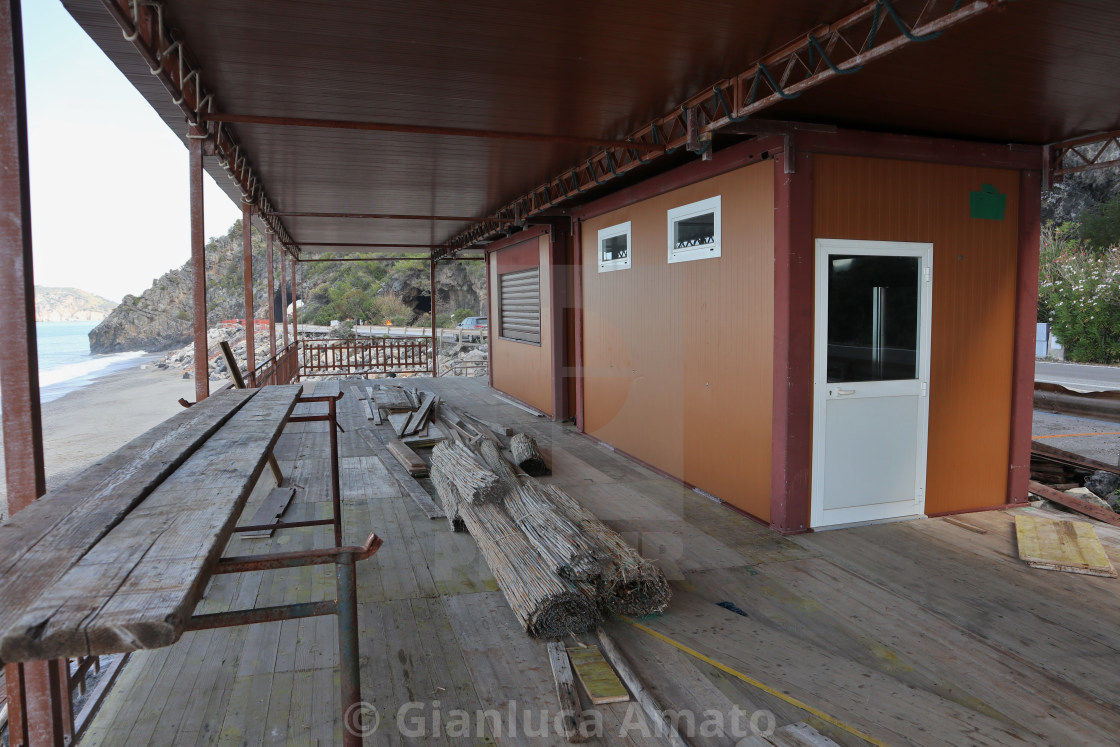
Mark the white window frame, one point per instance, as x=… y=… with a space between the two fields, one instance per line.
x=622 y=229
x=705 y=251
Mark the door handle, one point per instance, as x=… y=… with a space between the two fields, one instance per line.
x=844 y=392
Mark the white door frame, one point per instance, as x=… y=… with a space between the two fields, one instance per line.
x=825 y=247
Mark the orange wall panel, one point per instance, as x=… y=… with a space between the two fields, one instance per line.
x=974 y=275
x=521 y=369
x=678 y=358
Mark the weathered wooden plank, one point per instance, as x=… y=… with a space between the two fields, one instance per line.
x=799 y=735
x=408 y=458
x=407 y=483
x=399 y=421
x=566 y=695
x=138 y=586
x=328 y=388
x=1077 y=504
x=1071 y=631
x=496 y=428
x=1061 y=456
x=505 y=664
x=274 y=506
x=430 y=436
x=1070 y=546
x=40 y=544
x=653 y=710
x=599 y=681
x=392 y=399
x=961 y=663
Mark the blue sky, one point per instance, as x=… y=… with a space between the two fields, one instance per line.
x=109 y=199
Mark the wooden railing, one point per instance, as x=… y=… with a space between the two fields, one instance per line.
x=366 y=355
x=282 y=368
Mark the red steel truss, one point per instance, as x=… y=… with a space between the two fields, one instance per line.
x=1082 y=154
x=841 y=48
x=142 y=23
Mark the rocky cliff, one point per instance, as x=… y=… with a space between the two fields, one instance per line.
x=69 y=305
x=161 y=317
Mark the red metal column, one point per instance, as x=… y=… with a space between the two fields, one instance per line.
x=35 y=703
x=198 y=274
x=247 y=274
x=577 y=316
x=295 y=303
x=284 y=296
x=491 y=325
x=558 y=297
x=1026 y=315
x=791 y=461
x=271 y=298
x=435 y=347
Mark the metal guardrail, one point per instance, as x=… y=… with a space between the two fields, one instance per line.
x=353 y=357
x=282 y=368
x=458 y=368
x=366 y=355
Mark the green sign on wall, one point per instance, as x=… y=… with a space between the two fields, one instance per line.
x=987 y=204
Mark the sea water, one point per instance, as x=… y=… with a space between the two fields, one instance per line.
x=65 y=363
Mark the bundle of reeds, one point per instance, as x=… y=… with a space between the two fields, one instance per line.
x=546 y=605
x=474 y=483
x=629 y=584
x=448 y=496
x=572 y=554
x=502 y=468
x=527 y=456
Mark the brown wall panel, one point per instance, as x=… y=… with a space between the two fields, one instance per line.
x=678 y=358
x=523 y=370
x=974 y=275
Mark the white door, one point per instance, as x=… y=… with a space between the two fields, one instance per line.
x=871 y=380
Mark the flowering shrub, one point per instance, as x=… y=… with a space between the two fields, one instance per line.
x=1079 y=289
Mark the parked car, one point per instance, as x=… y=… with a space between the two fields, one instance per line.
x=473 y=322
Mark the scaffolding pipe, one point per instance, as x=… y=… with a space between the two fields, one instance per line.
x=271 y=296
x=432 y=271
x=34 y=688
x=284 y=297
x=247 y=274
x=198 y=273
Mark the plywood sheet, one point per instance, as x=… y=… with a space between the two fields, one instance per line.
x=1070 y=546
x=598 y=679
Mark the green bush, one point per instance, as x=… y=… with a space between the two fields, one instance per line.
x=1080 y=290
x=1100 y=227
x=460 y=315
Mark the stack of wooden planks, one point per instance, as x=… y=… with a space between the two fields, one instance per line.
x=415 y=425
x=1054 y=471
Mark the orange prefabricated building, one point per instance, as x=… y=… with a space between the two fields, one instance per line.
x=704 y=367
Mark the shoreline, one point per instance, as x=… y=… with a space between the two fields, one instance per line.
x=94 y=420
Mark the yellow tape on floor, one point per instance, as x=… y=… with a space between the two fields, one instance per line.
x=755 y=683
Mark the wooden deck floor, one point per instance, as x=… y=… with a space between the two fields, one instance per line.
x=916 y=633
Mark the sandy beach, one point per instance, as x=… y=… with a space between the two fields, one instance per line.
x=89 y=423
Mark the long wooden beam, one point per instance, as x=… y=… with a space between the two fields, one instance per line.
x=342 y=124
x=380 y=216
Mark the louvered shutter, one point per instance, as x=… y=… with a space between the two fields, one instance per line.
x=520 y=305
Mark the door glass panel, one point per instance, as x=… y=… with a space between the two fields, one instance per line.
x=872 y=318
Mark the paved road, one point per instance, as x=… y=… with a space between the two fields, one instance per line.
x=1077 y=376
